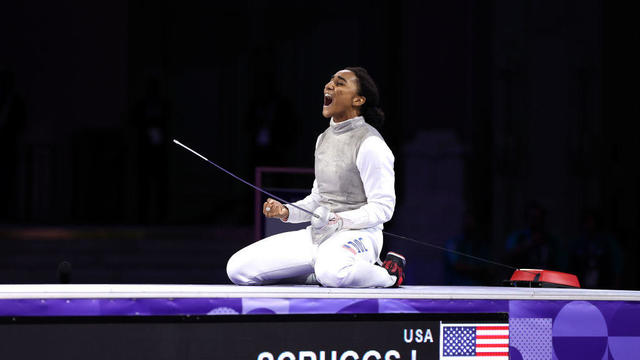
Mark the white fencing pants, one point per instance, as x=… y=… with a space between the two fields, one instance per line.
x=346 y=259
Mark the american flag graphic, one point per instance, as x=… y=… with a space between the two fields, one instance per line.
x=349 y=248
x=474 y=341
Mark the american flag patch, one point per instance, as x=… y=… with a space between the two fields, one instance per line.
x=349 y=248
x=474 y=341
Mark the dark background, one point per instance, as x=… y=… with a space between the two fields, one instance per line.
x=501 y=114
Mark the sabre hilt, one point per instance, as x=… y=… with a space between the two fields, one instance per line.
x=321 y=217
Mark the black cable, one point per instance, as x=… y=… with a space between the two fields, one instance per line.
x=451 y=251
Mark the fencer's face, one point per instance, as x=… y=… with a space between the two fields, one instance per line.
x=341 y=99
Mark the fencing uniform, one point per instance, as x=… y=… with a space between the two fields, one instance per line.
x=355 y=180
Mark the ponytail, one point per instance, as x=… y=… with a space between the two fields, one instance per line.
x=371 y=110
x=374 y=116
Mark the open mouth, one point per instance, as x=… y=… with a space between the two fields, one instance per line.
x=327 y=99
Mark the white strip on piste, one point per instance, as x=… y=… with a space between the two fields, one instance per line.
x=69 y=291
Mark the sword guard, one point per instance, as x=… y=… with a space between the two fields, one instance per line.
x=321 y=217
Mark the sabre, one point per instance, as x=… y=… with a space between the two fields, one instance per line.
x=317 y=216
x=245 y=182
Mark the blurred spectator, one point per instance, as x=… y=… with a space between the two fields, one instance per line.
x=596 y=256
x=151 y=116
x=274 y=123
x=64 y=272
x=462 y=270
x=12 y=123
x=534 y=247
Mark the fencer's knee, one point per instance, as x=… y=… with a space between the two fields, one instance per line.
x=237 y=271
x=332 y=273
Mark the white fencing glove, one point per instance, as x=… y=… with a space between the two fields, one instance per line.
x=324 y=225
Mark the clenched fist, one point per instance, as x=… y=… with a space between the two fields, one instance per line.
x=274 y=209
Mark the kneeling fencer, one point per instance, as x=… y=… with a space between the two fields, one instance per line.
x=352 y=196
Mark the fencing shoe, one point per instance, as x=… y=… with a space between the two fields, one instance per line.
x=395 y=263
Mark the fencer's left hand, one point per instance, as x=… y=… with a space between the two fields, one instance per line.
x=324 y=225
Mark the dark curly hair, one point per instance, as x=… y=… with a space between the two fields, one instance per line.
x=367 y=87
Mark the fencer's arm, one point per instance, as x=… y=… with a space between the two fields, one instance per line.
x=311 y=202
x=375 y=163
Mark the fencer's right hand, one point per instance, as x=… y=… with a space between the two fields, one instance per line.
x=274 y=209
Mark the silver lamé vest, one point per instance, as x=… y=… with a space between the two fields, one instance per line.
x=337 y=175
